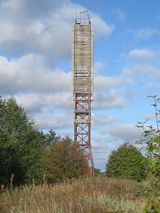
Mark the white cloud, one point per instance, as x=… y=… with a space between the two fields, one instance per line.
x=53 y=121
x=102 y=120
x=32 y=81
x=29 y=8
x=106 y=82
x=145 y=33
x=119 y=14
x=141 y=53
x=31 y=74
x=110 y=99
x=126 y=132
x=47 y=30
x=144 y=71
x=100 y=27
x=45 y=102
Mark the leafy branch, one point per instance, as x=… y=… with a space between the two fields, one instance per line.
x=151 y=137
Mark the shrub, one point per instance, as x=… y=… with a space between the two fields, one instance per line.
x=65 y=160
x=126 y=162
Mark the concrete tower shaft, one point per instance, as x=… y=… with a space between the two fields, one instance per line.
x=83 y=84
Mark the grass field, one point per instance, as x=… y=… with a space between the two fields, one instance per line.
x=98 y=195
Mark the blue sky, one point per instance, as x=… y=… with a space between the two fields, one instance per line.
x=35 y=65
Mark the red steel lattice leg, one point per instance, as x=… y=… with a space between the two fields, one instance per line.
x=82 y=127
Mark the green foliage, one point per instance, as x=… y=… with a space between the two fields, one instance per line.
x=151 y=140
x=65 y=160
x=126 y=162
x=21 y=150
x=51 y=138
x=152 y=193
x=153 y=155
x=97 y=171
x=151 y=143
x=152 y=206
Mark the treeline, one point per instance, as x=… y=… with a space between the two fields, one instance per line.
x=28 y=155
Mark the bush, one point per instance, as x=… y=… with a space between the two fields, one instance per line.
x=126 y=162
x=65 y=160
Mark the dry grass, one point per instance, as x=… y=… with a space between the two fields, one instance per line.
x=99 y=195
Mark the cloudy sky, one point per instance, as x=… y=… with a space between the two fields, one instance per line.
x=35 y=64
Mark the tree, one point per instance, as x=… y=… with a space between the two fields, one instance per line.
x=65 y=160
x=21 y=145
x=126 y=162
x=51 y=138
x=151 y=139
x=151 y=143
x=97 y=171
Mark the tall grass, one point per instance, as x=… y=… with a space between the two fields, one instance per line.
x=99 y=195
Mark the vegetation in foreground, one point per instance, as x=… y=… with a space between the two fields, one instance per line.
x=27 y=156
x=100 y=194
